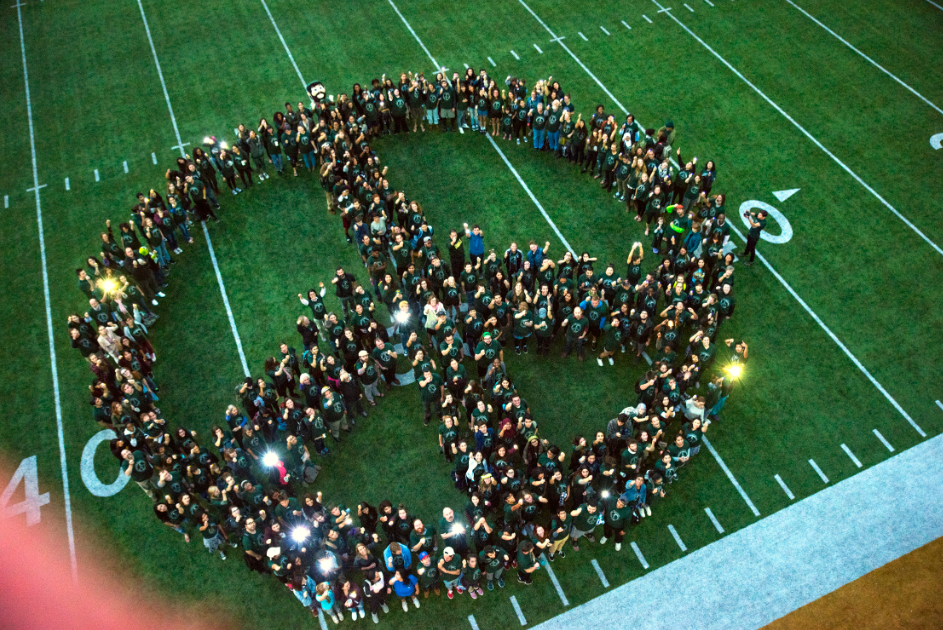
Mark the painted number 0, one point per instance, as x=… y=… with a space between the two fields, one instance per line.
x=786 y=230
x=90 y=477
x=27 y=473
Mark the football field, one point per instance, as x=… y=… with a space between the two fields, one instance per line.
x=828 y=112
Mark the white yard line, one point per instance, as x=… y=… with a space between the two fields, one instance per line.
x=717 y=525
x=733 y=480
x=57 y=401
x=645 y=17
x=583 y=36
x=67 y=186
x=935 y=4
x=808 y=135
x=886 y=444
x=209 y=242
x=555 y=581
x=851 y=455
x=638 y=554
x=625 y=24
x=474 y=624
x=517 y=609
x=538 y=49
x=709 y=2
x=782 y=484
x=493 y=64
x=871 y=61
x=515 y=55
x=689 y=8
x=97 y=178
x=603 y=29
x=602 y=576
x=816 y=468
x=154 y=158
x=939 y=404
x=6 y=201
x=674 y=534
x=125 y=166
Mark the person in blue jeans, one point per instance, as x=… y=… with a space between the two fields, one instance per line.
x=476 y=244
x=554 y=119
x=539 y=125
x=450 y=567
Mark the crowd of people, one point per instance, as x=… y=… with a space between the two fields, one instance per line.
x=448 y=305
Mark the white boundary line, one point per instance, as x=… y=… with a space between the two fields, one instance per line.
x=538 y=49
x=583 y=36
x=604 y=30
x=97 y=178
x=782 y=484
x=646 y=19
x=848 y=452
x=935 y=4
x=808 y=135
x=886 y=444
x=517 y=607
x=638 y=554
x=626 y=24
x=515 y=55
x=154 y=158
x=602 y=576
x=871 y=61
x=428 y=54
x=556 y=582
x=51 y=339
x=209 y=242
x=939 y=404
x=688 y=7
x=67 y=186
x=763 y=260
x=733 y=480
x=717 y=525
x=674 y=534
x=493 y=64
x=818 y=470
x=125 y=163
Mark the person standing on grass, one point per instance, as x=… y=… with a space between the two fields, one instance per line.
x=140 y=470
x=404 y=585
x=257 y=151
x=450 y=567
x=526 y=563
x=375 y=591
x=243 y=166
x=757 y=221
x=585 y=519
x=617 y=514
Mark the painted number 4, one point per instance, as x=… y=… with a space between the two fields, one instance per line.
x=28 y=475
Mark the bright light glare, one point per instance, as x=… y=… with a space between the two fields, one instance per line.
x=401 y=317
x=458 y=528
x=270 y=459
x=326 y=564
x=605 y=494
x=300 y=534
x=207 y=140
x=223 y=145
x=734 y=370
x=109 y=285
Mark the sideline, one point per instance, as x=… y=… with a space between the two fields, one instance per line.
x=797 y=555
x=52 y=348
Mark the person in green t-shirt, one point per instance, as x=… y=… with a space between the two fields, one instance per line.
x=140 y=470
x=493 y=560
x=212 y=535
x=757 y=221
x=429 y=575
x=560 y=526
x=431 y=391
x=526 y=563
x=450 y=566
x=585 y=519
x=617 y=515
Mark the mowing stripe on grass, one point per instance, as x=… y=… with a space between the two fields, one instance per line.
x=818 y=470
x=626 y=25
x=674 y=534
x=57 y=401
x=886 y=444
x=474 y=624
x=583 y=36
x=646 y=19
x=515 y=55
x=602 y=576
x=871 y=61
x=710 y=515
x=604 y=30
x=638 y=554
x=517 y=609
x=808 y=135
x=733 y=480
x=851 y=455
x=556 y=582
x=209 y=242
x=763 y=260
x=782 y=484
x=493 y=64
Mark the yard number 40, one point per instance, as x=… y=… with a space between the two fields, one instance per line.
x=28 y=475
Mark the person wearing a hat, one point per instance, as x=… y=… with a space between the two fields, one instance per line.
x=450 y=567
x=429 y=575
x=487 y=351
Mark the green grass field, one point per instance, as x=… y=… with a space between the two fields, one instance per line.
x=96 y=101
